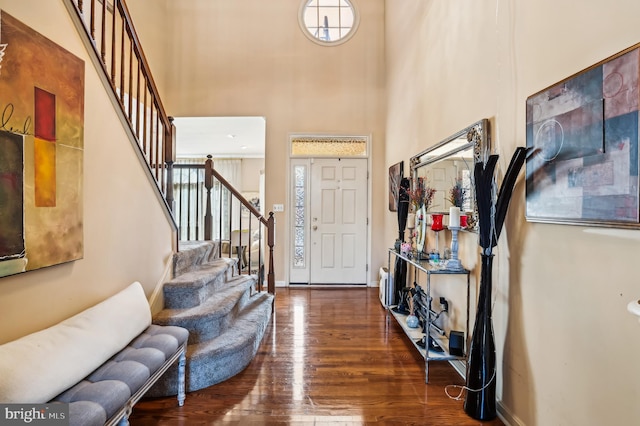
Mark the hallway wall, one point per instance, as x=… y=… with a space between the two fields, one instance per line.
x=127 y=236
x=567 y=347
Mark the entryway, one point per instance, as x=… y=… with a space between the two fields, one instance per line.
x=329 y=226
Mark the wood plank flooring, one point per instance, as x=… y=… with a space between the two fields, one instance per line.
x=329 y=356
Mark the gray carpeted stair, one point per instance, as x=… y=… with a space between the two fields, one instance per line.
x=225 y=315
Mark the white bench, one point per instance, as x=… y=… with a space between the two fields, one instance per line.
x=100 y=361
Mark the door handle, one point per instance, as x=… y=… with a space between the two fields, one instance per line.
x=314 y=227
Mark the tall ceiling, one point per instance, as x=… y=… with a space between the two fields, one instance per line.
x=222 y=137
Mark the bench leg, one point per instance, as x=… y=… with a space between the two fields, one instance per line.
x=181 y=378
x=125 y=420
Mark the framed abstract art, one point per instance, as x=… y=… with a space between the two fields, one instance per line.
x=583 y=135
x=41 y=150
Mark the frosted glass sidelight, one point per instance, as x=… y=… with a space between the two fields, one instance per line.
x=300 y=173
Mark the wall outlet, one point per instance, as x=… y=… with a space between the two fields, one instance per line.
x=278 y=207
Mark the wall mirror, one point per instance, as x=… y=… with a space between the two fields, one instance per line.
x=451 y=162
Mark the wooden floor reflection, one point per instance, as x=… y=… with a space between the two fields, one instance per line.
x=329 y=356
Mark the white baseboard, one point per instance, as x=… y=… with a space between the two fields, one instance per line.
x=370 y=284
x=507 y=417
x=156 y=300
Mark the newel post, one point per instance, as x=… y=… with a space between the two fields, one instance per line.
x=271 y=238
x=208 y=184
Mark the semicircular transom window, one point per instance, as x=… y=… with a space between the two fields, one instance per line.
x=328 y=22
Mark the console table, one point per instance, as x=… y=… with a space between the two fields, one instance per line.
x=423 y=269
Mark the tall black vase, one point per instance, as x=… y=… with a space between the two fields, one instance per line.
x=480 y=401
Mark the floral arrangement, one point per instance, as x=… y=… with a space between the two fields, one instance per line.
x=405 y=248
x=457 y=194
x=421 y=195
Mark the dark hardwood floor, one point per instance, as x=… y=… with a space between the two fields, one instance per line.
x=329 y=356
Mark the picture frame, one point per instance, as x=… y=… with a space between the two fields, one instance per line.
x=583 y=135
x=41 y=150
x=396 y=173
x=254 y=199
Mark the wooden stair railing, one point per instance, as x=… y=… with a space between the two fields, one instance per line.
x=269 y=224
x=109 y=27
x=194 y=184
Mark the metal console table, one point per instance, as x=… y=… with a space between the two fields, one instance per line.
x=416 y=334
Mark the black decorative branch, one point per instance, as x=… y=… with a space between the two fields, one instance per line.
x=491 y=221
x=504 y=196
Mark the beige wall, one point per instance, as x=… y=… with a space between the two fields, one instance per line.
x=251 y=168
x=152 y=29
x=250 y=58
x=127 y=237
x=567 y=347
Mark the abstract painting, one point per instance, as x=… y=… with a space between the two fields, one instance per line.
x=41 y=150
x=583 y=132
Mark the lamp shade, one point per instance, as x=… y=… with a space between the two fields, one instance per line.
x=239 y=237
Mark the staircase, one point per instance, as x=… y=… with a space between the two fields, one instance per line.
x=222 y=306
x=225 y=315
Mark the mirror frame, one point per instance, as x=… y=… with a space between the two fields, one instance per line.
x=477 y=135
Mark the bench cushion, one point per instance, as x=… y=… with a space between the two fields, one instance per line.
x=99 y=396
x=41 y=365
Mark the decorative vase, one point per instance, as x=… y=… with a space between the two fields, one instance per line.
x=400 y=272
x=421 y=228
x=436 y=222
x=436 y=226
x=463 y=221
x=480 y=402
x=412 y=321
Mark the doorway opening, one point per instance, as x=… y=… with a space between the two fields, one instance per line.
x=329 y=230
x=237 y=145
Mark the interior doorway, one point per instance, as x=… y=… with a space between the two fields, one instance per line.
x=237 y=146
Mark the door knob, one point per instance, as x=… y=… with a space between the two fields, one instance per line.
x=314 y=227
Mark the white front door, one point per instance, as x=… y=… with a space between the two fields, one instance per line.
x=338 y=221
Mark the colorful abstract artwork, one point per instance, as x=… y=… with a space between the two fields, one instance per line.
x=583 y=132
x=41 y=150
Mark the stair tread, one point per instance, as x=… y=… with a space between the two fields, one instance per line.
x=195 y=245
x=205 y=273
x=193 y=253
x=214 y=306
x=242 y=332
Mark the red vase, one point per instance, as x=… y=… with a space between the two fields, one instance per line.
x=436 y=222
x=463 y=221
